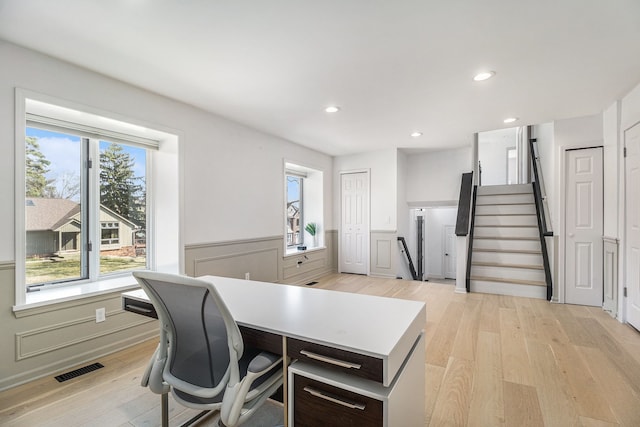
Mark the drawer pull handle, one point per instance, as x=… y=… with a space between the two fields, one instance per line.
x=138 y=309
x=327 y=359
x=335 y=399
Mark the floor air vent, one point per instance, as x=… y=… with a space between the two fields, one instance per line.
x=80 y=371
x=311 y=283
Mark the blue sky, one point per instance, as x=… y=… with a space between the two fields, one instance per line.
x=63 y=151
x=293 y=190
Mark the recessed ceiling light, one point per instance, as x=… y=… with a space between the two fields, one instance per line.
x=416 y=134
x=484 y=76
x=332 y=109
x=510 y=119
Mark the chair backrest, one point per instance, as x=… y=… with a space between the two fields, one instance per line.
x=200 y=331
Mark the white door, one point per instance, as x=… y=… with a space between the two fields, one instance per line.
x=584 y=227
x=450 y=252
x=632 y=234
x=354 y=230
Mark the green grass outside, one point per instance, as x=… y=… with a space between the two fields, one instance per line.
x=44 y=271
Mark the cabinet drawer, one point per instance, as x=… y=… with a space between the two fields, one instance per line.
x=345 y=361
x=322 y=405
x=263 y=340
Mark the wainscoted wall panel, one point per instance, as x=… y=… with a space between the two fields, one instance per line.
x=264 y=264
x=65 y=334
x=383 y=254
x=384 y=247
x=51 y=339
x=261 y=258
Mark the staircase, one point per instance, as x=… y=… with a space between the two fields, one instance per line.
x=506 y=255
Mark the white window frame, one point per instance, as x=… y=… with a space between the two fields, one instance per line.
x=312 y=204
x=163 y=245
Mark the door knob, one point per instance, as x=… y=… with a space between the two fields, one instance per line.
x=570 y=234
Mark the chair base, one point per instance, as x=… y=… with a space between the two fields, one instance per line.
x=164 y=403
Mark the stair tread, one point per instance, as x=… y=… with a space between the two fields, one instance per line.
x=513 y=281
x=504 y=194
x=505 y=214
x=508 y=251
x=507 y=265
x=505 y=204
x=505 y=238
x=507 y=225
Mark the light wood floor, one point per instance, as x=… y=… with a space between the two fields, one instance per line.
x=490 y=361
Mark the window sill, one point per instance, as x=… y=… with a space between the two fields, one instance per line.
x=44 y=300
x=294 y=252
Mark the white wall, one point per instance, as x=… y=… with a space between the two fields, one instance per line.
x=492 y=153
x=630 y=110
x=403 y=217
x=433 y=178
x=610 y=126
x=384 y=185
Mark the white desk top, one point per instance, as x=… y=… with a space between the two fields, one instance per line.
x=376 y=326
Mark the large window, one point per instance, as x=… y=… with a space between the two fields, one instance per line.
x=85 y=214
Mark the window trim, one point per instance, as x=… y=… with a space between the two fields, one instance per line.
x=165 y=251
x=313 y=195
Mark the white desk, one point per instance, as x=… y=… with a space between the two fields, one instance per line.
x=378 y=332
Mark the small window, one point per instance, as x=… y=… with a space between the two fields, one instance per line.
x=304 y=207
x=294 y=211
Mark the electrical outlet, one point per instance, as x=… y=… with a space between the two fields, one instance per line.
x=100 y=315
x=247 y=276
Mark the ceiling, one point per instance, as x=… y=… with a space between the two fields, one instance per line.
x=393 y=67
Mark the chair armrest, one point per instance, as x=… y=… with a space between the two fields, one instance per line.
x=263 y=362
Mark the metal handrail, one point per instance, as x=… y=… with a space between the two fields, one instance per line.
x=471 y=228
x=542 y=217
x=539 y=182
x=414 y=275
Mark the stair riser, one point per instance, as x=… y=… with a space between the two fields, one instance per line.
x=505 y=209
x=508 y=273
x=504 y=199
x=525 y=245
x=507 y=220
x=528 y=232
x=507 y=258
x=539 y=292
x=504 y=189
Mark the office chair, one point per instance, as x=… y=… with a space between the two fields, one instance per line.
x=201 y=357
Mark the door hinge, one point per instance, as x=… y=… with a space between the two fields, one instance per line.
x=624 y=291
x=89 y=164
x=624 y=152
x=89 y=247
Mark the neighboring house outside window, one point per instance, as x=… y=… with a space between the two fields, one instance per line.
x=295 y=236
